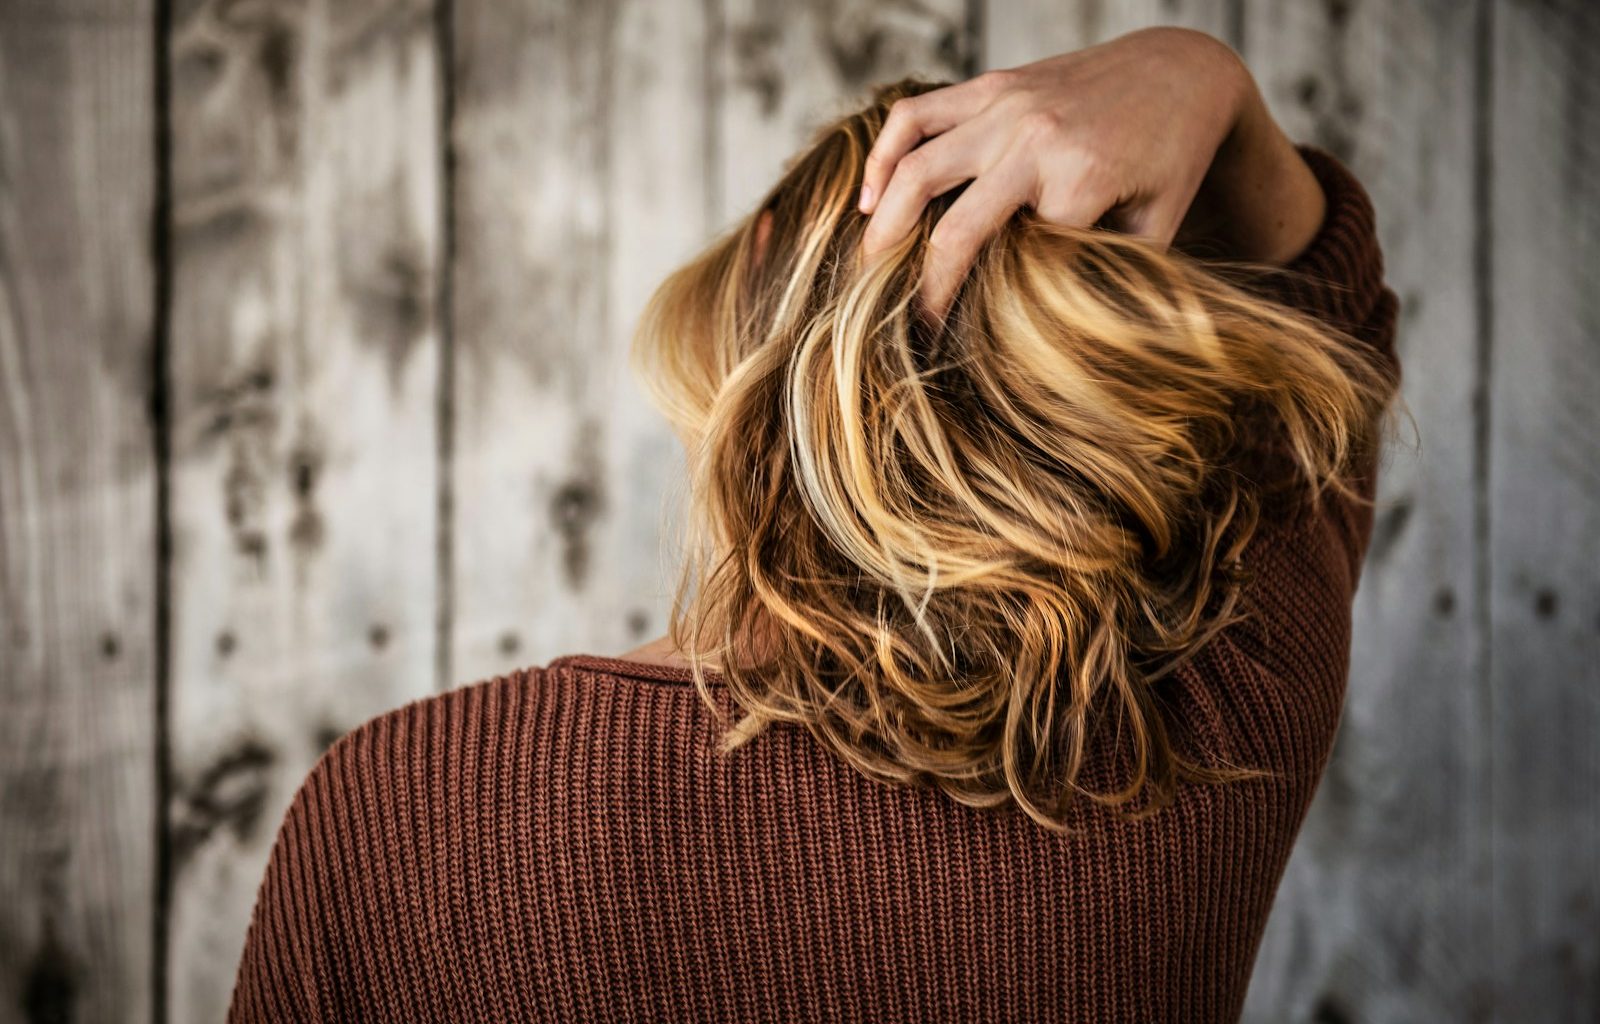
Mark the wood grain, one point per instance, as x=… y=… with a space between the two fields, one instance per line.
x=1543 y=540
x=78 y=580
x=1379 y=917
x=306 y=213
x=532 y=480
x=321 y=406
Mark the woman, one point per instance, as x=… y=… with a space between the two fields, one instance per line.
x=1015 y=631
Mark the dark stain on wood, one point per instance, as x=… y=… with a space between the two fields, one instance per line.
x=241 y=413
x=196 y=71
x=756 y=64
x=52 y=982
x=855 y=57
x=1546 y=603
x=221 y=230
x=1444 y=602
x=1306 y=90
x=306 y=530
x=326 y=735
x=238 y=492
x=277 y=56
x=386 y=27
x=1329 y=1010
x=573 y=509
x=1091 y=20
x=863 y=51
x=244 y=498
x=239 y=404
x=1389 y=525
x=230 y=794
x=577 y=505
x=1332 y=94
x=1410 y=308
x=32 y=798
x=391 y=288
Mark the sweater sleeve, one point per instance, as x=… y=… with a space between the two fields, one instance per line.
x=1306 y=565
x=1339 y=280
x=282 y=975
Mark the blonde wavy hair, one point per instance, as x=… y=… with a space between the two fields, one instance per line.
x=954 y=553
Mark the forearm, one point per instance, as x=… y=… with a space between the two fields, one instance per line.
x=1259 y=201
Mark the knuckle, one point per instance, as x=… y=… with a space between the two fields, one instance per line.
x=903 y=111
x=996 y=80
x=1040 y=124
x=1093 y=174
x=952 y=239
x=914 y=165
x=1014 y=105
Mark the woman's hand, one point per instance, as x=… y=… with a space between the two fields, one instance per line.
x=1127 y=134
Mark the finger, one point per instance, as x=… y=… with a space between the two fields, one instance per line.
x=915 y=118
x=932 y=169
x=972 y=220
x=1074 y=199
x=1156 y=221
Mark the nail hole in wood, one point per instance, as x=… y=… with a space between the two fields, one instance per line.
x=1545 y=603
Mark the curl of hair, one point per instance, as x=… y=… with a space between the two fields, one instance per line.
x=954 y=553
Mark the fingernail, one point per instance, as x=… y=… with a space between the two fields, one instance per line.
x=866 y=198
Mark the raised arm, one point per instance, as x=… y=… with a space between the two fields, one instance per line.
x=1161 y=132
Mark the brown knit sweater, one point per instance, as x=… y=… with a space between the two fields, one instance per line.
x=563 y=844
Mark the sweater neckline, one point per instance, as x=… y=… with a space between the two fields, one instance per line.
x=648 y=670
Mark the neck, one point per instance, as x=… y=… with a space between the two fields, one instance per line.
x=662 y=651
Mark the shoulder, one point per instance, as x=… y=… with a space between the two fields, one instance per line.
x=395 y=758
x=500 y=738
x=402 y=812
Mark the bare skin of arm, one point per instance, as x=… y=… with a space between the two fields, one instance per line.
x=1161 y=133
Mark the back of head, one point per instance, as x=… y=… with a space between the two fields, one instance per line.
x=964 y=554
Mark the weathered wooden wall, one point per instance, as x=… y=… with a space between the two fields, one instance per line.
x=312 y=400
x=80 y=673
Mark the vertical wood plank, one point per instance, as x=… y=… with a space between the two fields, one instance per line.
x=305 y=352
x=1021 y=32
x=77 y=511
x=1380 y=917
x=660 y=181
x=537 y=491
x=1544 y=509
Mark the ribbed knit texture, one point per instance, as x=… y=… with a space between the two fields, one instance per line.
x=563 y=843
